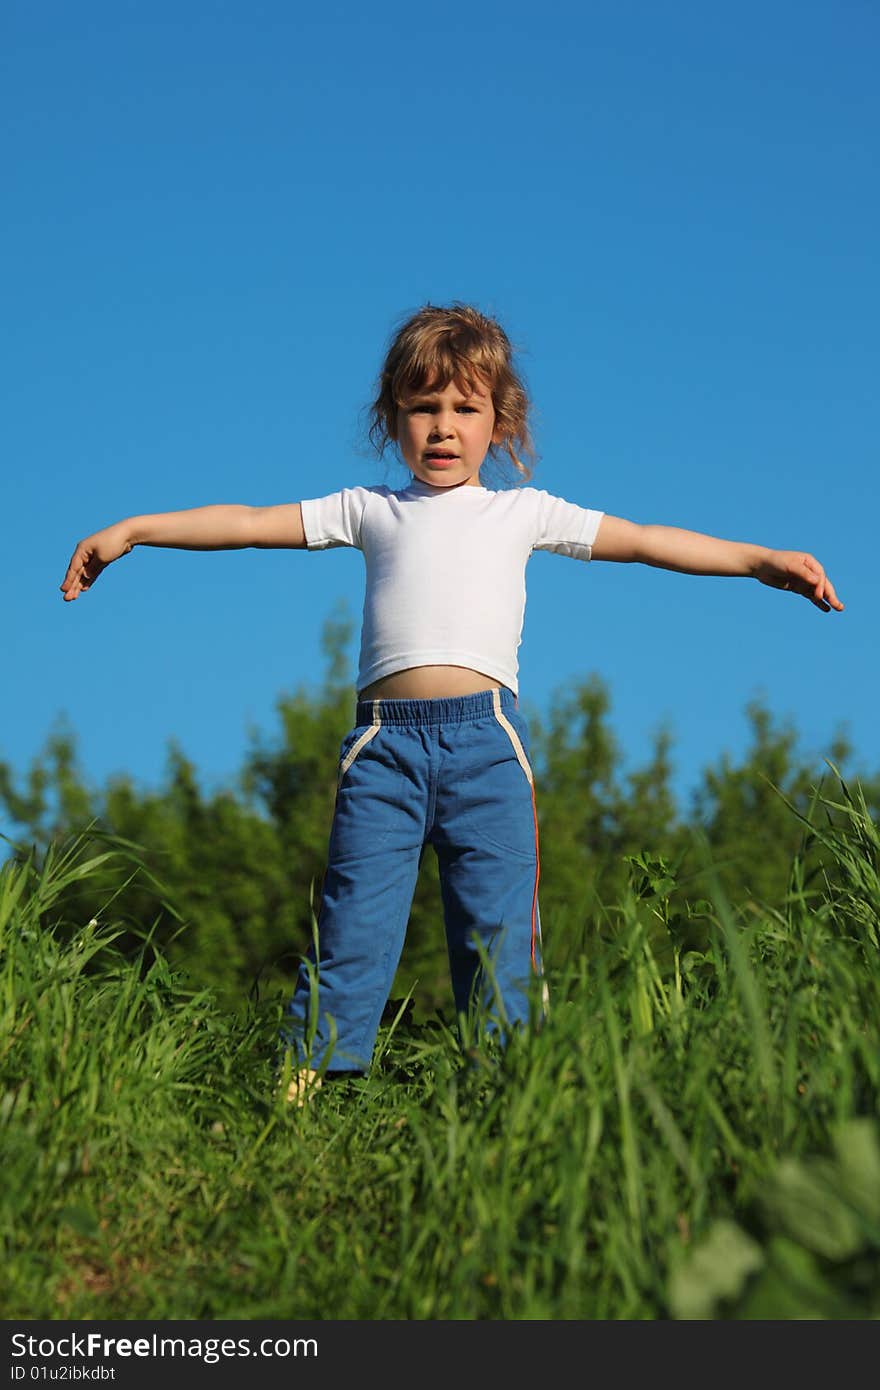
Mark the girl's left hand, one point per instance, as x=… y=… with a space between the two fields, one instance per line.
x=801 y=574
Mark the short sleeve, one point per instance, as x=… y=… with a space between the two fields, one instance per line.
x=336 y=519
x=564 y=527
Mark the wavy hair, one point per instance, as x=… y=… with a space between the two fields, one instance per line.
x=438 y=345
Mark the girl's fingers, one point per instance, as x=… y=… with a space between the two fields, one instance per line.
x=82 y=572
x=823 y=589
x=815 y=574
x=831 y=595
x=825 y=597
x=74 y=570
x=814 y=583
x=77 y=576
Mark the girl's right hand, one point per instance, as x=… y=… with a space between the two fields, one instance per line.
x=91 y=558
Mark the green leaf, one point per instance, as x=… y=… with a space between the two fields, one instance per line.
x=858 y=1156
x=803 y=1198
x=790 y=1286
x=716 y=1269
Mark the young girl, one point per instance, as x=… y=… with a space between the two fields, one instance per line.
x=438 y=752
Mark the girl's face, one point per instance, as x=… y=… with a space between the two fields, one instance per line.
x=445 y=433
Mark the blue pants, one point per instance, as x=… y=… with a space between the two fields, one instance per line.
x=455 y=773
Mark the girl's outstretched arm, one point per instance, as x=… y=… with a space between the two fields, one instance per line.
x=691 y=552
x=232 y=526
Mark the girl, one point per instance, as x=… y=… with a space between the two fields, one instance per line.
x=438 y=752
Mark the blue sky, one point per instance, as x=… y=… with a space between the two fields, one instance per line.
x=216 y=215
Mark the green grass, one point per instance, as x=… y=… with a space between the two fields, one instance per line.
x=693 y=1133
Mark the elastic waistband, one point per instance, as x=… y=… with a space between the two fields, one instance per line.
x=454 y=710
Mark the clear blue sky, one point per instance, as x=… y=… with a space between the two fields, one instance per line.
x=216 y=214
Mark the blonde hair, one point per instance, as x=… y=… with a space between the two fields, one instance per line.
x=438 y=345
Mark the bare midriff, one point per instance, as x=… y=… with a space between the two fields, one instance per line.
x=429 y=683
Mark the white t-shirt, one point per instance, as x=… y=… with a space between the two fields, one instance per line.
x=446 y=569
